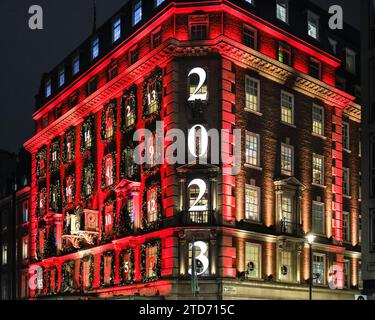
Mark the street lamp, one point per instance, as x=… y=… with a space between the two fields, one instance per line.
x=310 y=240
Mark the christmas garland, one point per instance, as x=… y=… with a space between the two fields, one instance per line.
x=113 y=268
x=111 y=201
x=41 y=156
x=88 y=124
x=128 y=94
x=156 y=76
x=125 y=162
x=67 y=276
x=37 y=199
x=71 y=132
x=113 y=155
x=157 y=270
x=49 y=249
x=55 y=146
x=130 y=252
x=89 y=167
x=108 y=107
x=55 y=187
x=150 y=226
x=89 y=258
x=73 y=176
x=125 y=222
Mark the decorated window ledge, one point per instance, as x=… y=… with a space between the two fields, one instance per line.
x=152 y=95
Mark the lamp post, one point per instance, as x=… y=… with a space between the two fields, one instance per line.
x=310 y=240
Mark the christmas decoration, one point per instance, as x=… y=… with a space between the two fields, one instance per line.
x=55 y=196
x=129 y=109
x=104 y=170
x=125 y=225
x=108 y=128
x=68 y=283
x=71 y=178
x=157 y=266
x=112 y=276
x=129 y=170
x=50 y=244
x=127 y=266
x=54 y=159
x=88 y=134
x=111 y=201
x=152 y=93
x=147 y=225
x=69 y=145
x=89 y=259
x=88 y=180
x=41 y=162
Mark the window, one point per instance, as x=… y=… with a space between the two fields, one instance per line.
x=346 y=226
x=282 y=10
x=133 y=56
x=48 y=88
x=285 y=54
x=287 y=213
x=108 y=219
x=372 y=230
x=128 y=163
x=345 y=136
x=25 y=248
x=252 y=88
x=137 y=13
x=318 y=120
x=109 y=171
x=346 y=273
x=88 y=178
x=250 y=37
x=94 y=48
x=315 y=68
x=194 y=84
x=252 y=149
x=287 y=159
x=69 y=189
x=151 y=261
x=319 y=269
x=286 y=266
x=116 y=30
x=87 y=138
x=45 y=121
x=107 y=278
x=287 y=108
x=194 y=194
x=346 y=181
x=86 y=273
x=159 y=2
x=25 y=211
x=152 y=97
x=152 y=204
x=75 y=64
x=198 y=31
x=73 y=99
x=252 y=203
x=333 y=44
x=202 y=251
x=112 y=70
x=253 y=260
x=372 y=90
x=156 y=39
x=318 y=218
x=318 y=169
x=92 y=86
x=58 y=111
x=130 y=112
x=350 y=61
x=313 y=25
x=4 y=254
x=61 y=76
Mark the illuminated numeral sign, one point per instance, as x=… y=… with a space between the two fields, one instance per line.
x=198 y=93
x=201 y=262
x=202 y=191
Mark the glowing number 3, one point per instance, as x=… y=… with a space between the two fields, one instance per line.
x=202 y=190
x=202 y=79
x=202 y=258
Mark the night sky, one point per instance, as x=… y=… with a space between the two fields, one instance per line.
x=26 y=54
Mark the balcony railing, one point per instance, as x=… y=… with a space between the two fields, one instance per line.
x=290 y=228
x=198 y=217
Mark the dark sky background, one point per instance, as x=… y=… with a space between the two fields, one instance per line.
x=26 y=54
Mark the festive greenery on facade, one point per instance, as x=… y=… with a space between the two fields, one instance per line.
x=111 y=201
x=54 y=158
x=41 y=162
x=129 y=109
x=55 y=196
x=147 y=225
x=110 y=110
x=68 y=154
x=127 y=268
x=88 y=178
x=157 y=267
x=41 y=197
x=88 y=134
x=50 y=244
x=113 y=269
x=125 y=225
x=129 y=169
x=113 y=155
x=73 y=189
x=68 y=282
x=90 y=259
x=155 y=78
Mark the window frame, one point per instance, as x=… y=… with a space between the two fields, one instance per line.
x=283 y=106
x=313 y=17
x=322 y=111
x=321 y=205
x=318 y=254
x=116 y=29
x=322 y=173
x=346 y=235
x=257 y=137
x=95 y=50
x=258 y=193
x=353 y=54
x=257 y=81
x=259 y=258
x=279 y=3
x=255 y=36
x=283 y=172
x=137 y=12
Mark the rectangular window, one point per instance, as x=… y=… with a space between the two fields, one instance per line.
x=159 y=2
x=156 y=39
x=94 y=48
x=346 y=226
x=133 y=56
x=61 y=77
x=198 y=32
x=4 y=254
x=253 y=260
x=152 y=204
x=345 y=136
x=350 y=61
x=287 y=159
x=252 y=149
x=318 y=218
x=151 y=261
x=319 y=269
x=25 y=211
x=75 y=64
x=116 y=30
x=252 y=203
x=286 y=266
x=372 y=230
x=313 y=25
x=284 y=54
x=25 y=248
x=282 y=10
x=287 y=108
x=318 y=120
x=250 y=36
x=333 y=44
x=318 y=169
x=203 y=251
x=107 y=270
x=252 y=89
x=372 y=90
x=48 y=88
x=91 y=87
x=346 y=274
x=346 y=181
x=112 y=70
x=372 y=165
x=137 y=12
x=315 y=68
x=340 y=83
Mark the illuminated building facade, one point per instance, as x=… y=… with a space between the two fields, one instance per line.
x=105 y=227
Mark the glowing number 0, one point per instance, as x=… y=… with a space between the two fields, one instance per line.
x=202 y=78
x=202 y=190
x=202 y=258
x=203 y=142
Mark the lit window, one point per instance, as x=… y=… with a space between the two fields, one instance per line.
x=108 y=171
x=151 y=261
x=250 y=1
x=313 y=25
x=286 y=266
x=159 y=2
x=252 y=203
x=202 y=251
x=108 y=219
x=345 y=226
x=253 y=260
x=107 y=277
x=137 y=13
x=129 y=105
x=346 y=181
x=127 y=266
x=287 y=159
x=252 y=149
x=25 y=211
x=152 y=97
x=287 y=108
x=25 y=248
x=318 y=218
x=48 y=88
x=252 y=88
x=116 y=30
x=95 y=48
x=128 y=163
x=350 y=61
x=75 y=64
x=285 y=54
x=250 y=36
x=318 y=169
x=69 y=189
x=152 y=204
x=61 y=77
x=345 y=135
x=282 y=10
x=319 y=269
x=315 y=68
x=88 y=178
x=4 y=254
x=86 y=273
x=318 y=120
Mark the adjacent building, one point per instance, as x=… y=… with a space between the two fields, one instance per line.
x=104 y=226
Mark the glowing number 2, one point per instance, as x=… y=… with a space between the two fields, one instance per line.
x=128 y=111
x=202 y=190
x=202 y=79
x=202 y=258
